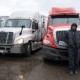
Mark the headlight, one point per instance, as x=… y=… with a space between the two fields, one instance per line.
x=20 y=41
x=47 y=42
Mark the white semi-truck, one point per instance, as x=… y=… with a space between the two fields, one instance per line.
x=22 y=33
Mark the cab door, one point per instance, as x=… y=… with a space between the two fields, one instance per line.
x=35 y=35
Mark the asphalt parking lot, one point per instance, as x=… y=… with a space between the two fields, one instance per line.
x=16 y=67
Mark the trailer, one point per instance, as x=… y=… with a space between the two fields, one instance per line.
x=3 y=20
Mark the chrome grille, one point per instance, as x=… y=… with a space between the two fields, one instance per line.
x=6 y=38
x=3 y=37
x=60 y=36
x=10 y=38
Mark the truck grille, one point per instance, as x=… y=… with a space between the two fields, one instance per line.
x=60 y=36
x=6 y=38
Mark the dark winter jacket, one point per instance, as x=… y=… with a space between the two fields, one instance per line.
x=72 y=38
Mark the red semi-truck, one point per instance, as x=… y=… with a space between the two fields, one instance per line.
x=59 y=21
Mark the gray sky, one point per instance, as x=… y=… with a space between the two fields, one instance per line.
x=42 y=6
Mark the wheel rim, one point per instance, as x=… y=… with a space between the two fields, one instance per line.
x=29 y=49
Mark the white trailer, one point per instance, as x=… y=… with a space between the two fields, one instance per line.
x=43 y=28
x=21 y=33
x=3 y=20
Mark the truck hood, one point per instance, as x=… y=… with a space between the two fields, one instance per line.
x=14 y=30
x=57 y=28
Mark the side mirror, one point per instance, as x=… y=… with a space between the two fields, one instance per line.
x=23 y=26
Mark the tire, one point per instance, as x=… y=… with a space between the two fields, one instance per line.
x=45 y=59
x=48 y=61
x=28 y=50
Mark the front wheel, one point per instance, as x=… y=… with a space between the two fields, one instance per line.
x=28 y=50
x=45 y=59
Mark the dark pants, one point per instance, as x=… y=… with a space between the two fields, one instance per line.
x=73 y=54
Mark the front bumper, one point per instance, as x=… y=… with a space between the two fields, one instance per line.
x=55 y=54
x=17 y=48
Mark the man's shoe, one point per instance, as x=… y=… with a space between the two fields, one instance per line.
x=76 y=72
x=71 y=73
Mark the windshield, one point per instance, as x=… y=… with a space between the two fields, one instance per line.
x=64 y=19
x=18 y=23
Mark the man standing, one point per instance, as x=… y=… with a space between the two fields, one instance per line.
x=72 y=38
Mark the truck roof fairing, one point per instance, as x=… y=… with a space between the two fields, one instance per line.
x=63 y=11
x=25 y=15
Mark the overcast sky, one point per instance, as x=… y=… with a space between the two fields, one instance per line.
x=42 y=6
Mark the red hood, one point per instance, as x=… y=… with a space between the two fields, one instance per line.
x=61 y=26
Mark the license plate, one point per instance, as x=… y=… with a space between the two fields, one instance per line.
x=1 y=51
x=62 y=43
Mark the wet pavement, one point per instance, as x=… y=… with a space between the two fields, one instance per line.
x=16 y=67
